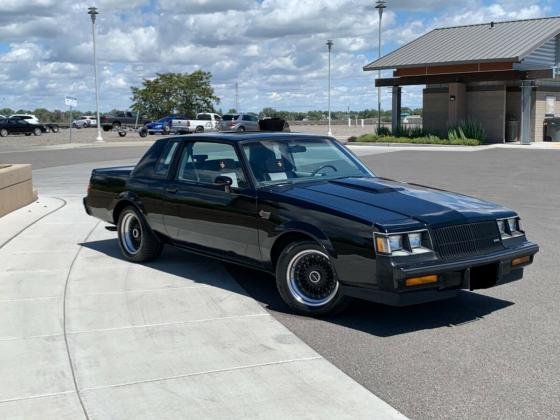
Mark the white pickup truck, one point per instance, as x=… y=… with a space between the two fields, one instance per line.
x=204 y=122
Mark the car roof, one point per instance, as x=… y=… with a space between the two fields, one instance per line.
x=235 y=137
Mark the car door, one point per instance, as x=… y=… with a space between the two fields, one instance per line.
x=214 y=218
x=20 y=126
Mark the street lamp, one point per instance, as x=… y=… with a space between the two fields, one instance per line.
x=380 y=6
x=93 y=13
x=330 y=45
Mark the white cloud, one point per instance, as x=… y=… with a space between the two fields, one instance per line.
x=274 y=49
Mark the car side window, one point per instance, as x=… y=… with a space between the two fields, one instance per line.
x=203 y=162
x=246 y=118
x=166 y=159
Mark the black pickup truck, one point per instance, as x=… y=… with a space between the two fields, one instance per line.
x=120 y=119
x=305 y=209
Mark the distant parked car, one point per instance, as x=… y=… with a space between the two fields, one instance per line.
x=204 y=122
x=111 y=121
x=274 y=124
x=163 y=125
x=32 y=119
x=85 y=121
x=20 y=126
x=239 y=122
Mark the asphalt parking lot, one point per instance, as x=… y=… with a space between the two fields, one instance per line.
x=489 y=354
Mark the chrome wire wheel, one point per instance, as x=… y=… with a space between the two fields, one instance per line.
x=131 y=233
x=311 y=278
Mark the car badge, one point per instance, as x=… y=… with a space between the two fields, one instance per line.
x=222 y=165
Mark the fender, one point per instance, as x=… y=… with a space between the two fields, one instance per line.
x=298 y=227
x=127 y=197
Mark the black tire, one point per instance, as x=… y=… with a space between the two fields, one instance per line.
x=166 y=130
x=241 y=129
x=54 y=128
x=3 y=132
x=136 y=240
x=106 y=128
x=37 y=131
x=122 y=133
x=116 y=124
x=199 y=129
x=307 y=280
x=28 y=134
x=143 y=132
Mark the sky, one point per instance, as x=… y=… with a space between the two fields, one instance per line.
x=274 y=49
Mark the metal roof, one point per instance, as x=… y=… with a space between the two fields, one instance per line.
x=502 y=42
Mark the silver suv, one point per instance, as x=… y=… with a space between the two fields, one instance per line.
x=239 y=122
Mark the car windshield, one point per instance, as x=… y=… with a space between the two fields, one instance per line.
x=230 y=117
x=288 y=161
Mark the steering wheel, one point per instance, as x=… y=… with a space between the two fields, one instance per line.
x=316 y=171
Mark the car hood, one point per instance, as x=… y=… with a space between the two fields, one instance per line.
x=387 y=202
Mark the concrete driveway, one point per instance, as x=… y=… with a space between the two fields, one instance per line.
x=85 y=334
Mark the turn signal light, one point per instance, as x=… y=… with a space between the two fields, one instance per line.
x=417 y=281
x=521 y=260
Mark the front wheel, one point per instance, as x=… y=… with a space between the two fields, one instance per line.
x=307 y=280
x=3 y=132
x=55 y=128
x=136 y=240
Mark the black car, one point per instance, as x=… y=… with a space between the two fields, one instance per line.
x=307 y=210
x=20 y=126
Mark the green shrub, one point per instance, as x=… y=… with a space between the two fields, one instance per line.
x=467 y=129
x=383 y=131
x=428 y=139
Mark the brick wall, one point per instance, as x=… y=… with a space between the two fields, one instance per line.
x=488 y=108
x=435 y=111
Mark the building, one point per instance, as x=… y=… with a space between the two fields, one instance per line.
x=503 y=75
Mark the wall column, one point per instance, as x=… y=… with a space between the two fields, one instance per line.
x=396 y=110
x=526 y=105
x=457 y=103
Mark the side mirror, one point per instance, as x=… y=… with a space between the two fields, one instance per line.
x=224 y=181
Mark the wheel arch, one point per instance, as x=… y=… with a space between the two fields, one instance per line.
x=299 y=234
x=126 y=200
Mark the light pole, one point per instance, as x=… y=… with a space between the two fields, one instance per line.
x=330 y=45
x=380 y=6
x=93 y=13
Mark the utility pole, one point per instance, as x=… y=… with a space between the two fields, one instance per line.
x=93 y=13
x=380 y=6
x=330 y=45
x=236 y=104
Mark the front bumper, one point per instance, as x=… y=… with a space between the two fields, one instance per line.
x=478 y=272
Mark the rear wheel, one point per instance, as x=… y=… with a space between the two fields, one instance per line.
x=240 y=129
x=116 y=124
x=307 y=280
x=3 y=132
x=199 y=129
x=37 y=131
x=136 y=240
x=54 y=128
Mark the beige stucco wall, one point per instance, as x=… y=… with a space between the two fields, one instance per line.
x=537 y=118
x=16 y=188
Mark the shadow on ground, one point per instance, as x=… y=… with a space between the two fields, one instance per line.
x=379 y=320
x=376 y=319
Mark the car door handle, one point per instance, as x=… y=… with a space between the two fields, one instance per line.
x=171 y=190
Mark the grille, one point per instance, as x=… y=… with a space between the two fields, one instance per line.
x=469 y=239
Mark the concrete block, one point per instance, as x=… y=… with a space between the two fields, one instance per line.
x=16 y=188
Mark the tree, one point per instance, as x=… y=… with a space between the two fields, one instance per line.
x=168 y=93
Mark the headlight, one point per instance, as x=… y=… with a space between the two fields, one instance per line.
x=510 y=227
x=406 y=243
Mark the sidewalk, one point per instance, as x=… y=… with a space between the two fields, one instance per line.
x=85 y=334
